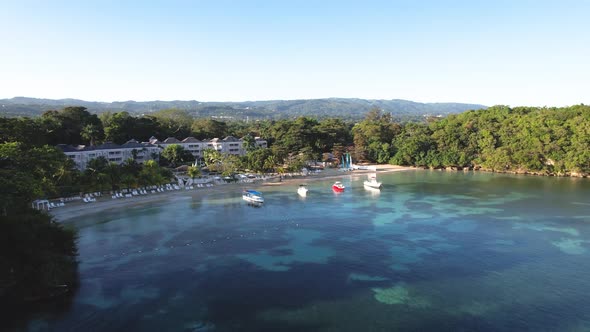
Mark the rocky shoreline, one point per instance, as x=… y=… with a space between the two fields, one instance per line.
x=516 y=172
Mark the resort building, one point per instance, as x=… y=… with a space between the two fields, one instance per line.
x=228 y=145
x=114 y=153
x=150 y=150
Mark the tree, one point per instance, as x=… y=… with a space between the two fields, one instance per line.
x=174 y=122
x=230 y=164
x=193 y=171
x=37 y=255
x=97 y=175
x=90 y=133
x=212 y=159
x=27 y=173
x=151 y=174
x=208 y=128
x=175 y=154
x=249 y=143
x=260 y=160
x=331 y=132
x=66 y=126
x=370 y=134
x=25 y=130
x=413 y=146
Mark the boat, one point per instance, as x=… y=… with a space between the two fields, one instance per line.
x=338 y=187
x=252 y=196
x=302 y=190
x=372 y=182
x=374 y=192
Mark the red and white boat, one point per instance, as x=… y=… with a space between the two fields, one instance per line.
x=338 y=187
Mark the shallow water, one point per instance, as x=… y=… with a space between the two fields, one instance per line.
x=431 y=251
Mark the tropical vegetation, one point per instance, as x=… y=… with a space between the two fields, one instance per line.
x=39 y=256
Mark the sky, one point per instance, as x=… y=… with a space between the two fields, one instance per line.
x=510 y=52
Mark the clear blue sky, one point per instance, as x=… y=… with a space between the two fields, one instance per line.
x=518 y=52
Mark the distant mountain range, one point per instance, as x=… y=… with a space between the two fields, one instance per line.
x=329 y=107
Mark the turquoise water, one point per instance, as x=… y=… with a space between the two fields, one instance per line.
x=432 y=251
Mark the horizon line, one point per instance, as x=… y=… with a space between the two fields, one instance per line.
x=247 y=101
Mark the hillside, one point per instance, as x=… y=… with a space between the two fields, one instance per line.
x=342 y=107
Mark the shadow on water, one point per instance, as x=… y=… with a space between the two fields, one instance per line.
x=17 y=314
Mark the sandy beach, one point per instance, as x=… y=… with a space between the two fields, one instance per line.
x=73 y=210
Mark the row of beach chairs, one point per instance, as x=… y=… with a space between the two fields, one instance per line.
x=127 y=193
x=56 y=205
x=155 y=190
x=91 y=197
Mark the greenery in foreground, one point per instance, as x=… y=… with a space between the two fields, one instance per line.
x=37 y=255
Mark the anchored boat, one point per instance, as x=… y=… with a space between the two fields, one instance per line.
x=302 y=190
x=252 y=196
x=372 y=182
x=338 y=187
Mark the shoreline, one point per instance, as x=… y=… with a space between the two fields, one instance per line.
x=511 y=172
x=73 y=210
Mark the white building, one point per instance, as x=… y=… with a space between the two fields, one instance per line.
x=112 y=152
x=144 y=151
x=228 y=145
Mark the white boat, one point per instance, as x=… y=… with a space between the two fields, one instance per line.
x=252 y=196
x=302 y=190
x=372 y=182
x=374 y=192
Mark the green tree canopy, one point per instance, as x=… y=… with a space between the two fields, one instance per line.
x=66 y=126
x=175 y=154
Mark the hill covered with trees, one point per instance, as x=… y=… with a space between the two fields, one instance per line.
x=347 y=108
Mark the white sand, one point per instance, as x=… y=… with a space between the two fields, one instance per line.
x=77 y=209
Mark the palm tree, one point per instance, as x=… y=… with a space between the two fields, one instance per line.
x=193 y=171
x=212 y=158
x=270 y=163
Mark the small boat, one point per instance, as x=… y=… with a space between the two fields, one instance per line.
x=372 y=182
x=374 y=192
x=302 y=190
x=338 y=187
x=252 y=196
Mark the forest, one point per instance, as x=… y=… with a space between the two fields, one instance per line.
x=39 y=255
x=344 y=108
